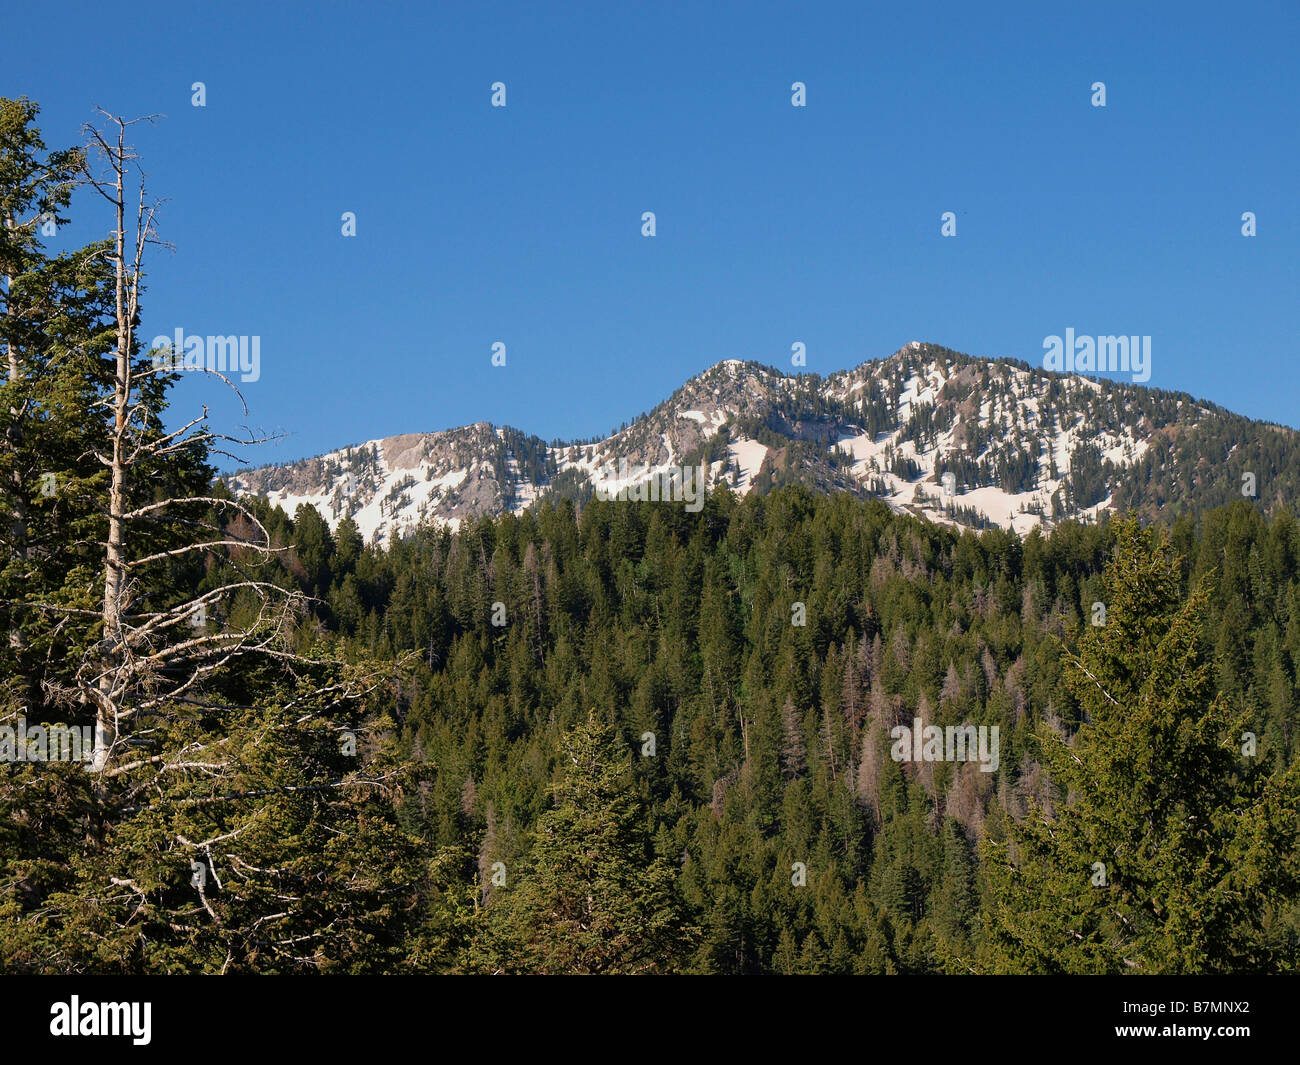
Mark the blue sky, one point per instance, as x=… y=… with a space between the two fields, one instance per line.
x=775 y=224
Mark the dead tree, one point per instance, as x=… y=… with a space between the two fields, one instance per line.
x=152 y=657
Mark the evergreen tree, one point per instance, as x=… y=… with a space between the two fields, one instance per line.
x=591 y=896
x=1168 y=850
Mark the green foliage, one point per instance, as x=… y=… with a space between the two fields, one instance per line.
x=1166 y=850
x=592 y=897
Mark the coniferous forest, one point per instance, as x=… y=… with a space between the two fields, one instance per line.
x=613 y=737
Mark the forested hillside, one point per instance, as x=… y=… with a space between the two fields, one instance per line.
x=725 y=743
x=771 y=738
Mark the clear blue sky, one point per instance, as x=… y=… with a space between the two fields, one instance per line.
x=775 y=224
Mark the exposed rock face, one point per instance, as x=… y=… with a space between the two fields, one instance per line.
x=947 y=436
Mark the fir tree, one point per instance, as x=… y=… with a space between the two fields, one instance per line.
x=591 y=896
x=1169 y=850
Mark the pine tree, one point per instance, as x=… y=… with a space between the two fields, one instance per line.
x=591 y=897
x=1170 y=849
x=52 y=309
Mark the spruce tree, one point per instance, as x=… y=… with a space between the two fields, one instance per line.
x=1168 y=849
x=52 y=312
x=591 y=897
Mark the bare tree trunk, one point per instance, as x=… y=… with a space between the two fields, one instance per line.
x=106 y=715
x=13 y=440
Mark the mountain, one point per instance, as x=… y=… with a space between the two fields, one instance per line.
x=1024 y=447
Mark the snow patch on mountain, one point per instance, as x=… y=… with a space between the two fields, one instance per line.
x=748 y=456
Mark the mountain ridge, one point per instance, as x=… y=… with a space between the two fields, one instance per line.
x=1023 y=447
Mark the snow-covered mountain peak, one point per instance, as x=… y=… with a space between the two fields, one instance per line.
x=928 y=430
